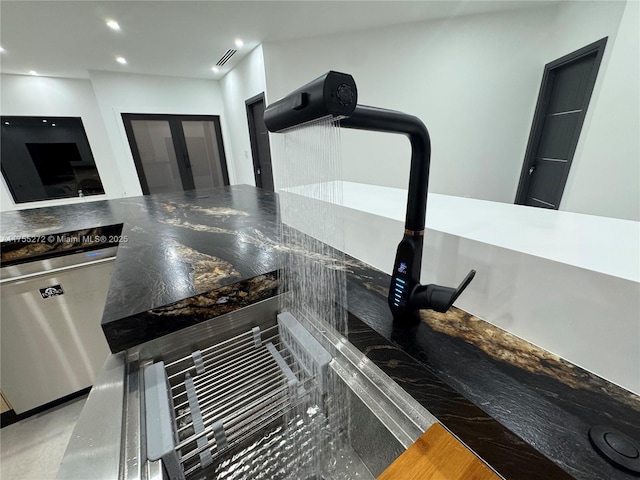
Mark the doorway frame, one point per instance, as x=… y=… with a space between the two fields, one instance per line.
x=253 y=137
x=179 y=144
x=544 y=96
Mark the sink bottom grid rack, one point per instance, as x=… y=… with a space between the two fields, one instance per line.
x=205 y=407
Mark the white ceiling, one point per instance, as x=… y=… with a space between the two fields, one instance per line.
x=186 y=38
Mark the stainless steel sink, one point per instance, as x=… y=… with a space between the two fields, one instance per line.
x=270 y=410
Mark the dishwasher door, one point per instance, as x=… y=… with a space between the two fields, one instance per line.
x=52 y=344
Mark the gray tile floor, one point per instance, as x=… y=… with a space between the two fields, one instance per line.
x=33 y=448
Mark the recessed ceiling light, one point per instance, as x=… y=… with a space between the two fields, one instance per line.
x=53 y=124
x=239 y=42
x=215 y=69
x=121 y=60
x=7 y=123
x=33 y=72
x=44 y=121
x=113 y=25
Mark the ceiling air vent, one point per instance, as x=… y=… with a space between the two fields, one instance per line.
x=225 y=58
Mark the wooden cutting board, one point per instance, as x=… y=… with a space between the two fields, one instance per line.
x=438 y=455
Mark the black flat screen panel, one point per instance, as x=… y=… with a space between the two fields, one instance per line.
x=45 y=158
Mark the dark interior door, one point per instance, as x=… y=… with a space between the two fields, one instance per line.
x=260 y=148
x=562 y=104
x=174 y=153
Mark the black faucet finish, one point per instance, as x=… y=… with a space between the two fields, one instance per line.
x=335 y=95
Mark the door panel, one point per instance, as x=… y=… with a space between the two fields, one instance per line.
x=260 y=147
x=157 y=155
x=203 y=153
x=570 y=85
x=545 y=183
x=558 y=134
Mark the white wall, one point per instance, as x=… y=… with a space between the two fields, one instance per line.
x=36 y=96
x=125 y=93
x=246 y=80
x=473 y=80
x=607 y=158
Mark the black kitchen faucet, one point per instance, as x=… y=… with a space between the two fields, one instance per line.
x=334 y=95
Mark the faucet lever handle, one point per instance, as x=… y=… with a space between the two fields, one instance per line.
x=464 y=284
x=437 y=297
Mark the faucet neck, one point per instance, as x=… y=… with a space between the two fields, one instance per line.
x=406 y=295
x=390 y=121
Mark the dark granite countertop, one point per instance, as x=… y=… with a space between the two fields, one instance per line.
x=167 y=251
x=184 y=258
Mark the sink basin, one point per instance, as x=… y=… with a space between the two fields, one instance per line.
x=350 y=425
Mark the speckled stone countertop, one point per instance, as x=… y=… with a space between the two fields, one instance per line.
x=184 y=258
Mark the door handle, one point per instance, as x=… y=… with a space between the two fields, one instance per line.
x=258 y=171
x=532 y=169
x=186 y=160
x=53 y=271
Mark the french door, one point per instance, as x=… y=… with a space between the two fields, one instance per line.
x=173 y=153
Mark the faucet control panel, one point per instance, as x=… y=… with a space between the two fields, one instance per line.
x=399 y=289
x=407 y=295
x=406 y=274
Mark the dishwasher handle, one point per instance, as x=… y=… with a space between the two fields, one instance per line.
x=46 y=273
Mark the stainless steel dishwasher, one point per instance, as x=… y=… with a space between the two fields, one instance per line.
x=52 y=344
